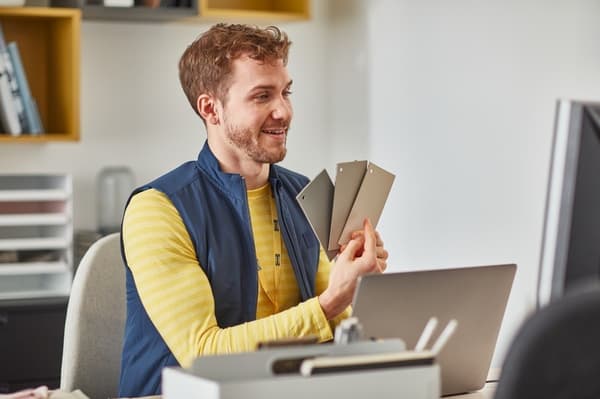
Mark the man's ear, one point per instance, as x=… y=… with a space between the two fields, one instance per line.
x=207 y=108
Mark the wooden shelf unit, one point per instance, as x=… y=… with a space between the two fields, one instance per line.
x=207 y=10
x=49 y=44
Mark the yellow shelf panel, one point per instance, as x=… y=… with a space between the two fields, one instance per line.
x=49 y=44
x=42 y=138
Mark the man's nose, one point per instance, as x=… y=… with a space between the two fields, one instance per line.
x=282 y=109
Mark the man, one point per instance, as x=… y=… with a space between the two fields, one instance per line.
x=219 y=255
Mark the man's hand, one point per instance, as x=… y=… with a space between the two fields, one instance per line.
x=382 y=254
x=363 y=254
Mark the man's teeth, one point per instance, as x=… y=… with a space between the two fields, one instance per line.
x=281 y=131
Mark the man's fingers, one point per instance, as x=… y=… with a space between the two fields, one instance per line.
x=379 y=240
x=356 y=233
x=369 y=235
x=352 y=249
x=382 y=253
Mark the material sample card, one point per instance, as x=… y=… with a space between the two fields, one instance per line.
x=349 y=176
x=316 y=200
x=334 y=212
x=369 y=201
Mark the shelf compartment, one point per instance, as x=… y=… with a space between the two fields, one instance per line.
x=35 y=219
x=33 y=195
x=33 y=207
x=49 y=44
x=24 y=232
x=138 y=13
x=256 y=9
x=33 y=268
x=35 y=285
x=206 y=10
x=20 y=244
x=35 y=182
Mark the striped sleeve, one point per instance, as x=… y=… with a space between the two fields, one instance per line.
x=177 y=295
x=322 y=281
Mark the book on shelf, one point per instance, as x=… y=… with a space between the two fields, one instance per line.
x=32 y=118
x=9 y=72
x=10 y=256
x=118 y=3
x=37 y=121
x=9 y=117
x=163 y=3
x=183 y=3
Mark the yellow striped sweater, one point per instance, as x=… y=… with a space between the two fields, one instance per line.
x=177 y=295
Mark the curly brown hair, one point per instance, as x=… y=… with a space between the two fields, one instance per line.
x=205 y=66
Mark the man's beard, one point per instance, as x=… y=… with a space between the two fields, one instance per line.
x=245 y=140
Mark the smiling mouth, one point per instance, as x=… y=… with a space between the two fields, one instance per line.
x=275 y=132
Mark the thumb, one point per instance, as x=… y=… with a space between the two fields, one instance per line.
x=369 y=238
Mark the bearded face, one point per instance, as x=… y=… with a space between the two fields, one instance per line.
x=257 y=111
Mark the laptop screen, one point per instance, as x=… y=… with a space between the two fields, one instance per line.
x=398 y=305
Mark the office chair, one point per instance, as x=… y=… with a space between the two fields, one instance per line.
x=95 y=322
x=556 y=353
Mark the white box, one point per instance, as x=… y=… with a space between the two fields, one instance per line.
x=250 y=376
x=421 y=382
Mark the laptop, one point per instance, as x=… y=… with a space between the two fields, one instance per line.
x=398 y=305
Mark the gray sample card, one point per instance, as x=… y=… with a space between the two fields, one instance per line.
x=316 y=201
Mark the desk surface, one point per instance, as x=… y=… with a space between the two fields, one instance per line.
x=486 y=393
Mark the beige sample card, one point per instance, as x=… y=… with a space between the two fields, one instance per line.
x=334 y=212
x=348 y=179
x=369 y=202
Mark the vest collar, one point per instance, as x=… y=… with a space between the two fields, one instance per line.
x=232 y=183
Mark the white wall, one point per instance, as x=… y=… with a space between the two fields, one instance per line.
x=348 y=83
x=133 y=111
x=461 y=108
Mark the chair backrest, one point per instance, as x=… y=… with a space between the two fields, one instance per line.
x=95 y=322
x=556 y=353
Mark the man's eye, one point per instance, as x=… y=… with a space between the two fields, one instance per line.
x=287 y=93
x=262 y=96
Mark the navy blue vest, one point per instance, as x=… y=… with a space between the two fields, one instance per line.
x=214 y=209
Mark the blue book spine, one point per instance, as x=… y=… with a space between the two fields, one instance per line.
x=37 y=122
x=30 y=119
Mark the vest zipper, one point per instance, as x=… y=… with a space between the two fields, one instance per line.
x=301 y=277
x=251 y=244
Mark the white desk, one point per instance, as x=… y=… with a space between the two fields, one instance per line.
x=486 y=393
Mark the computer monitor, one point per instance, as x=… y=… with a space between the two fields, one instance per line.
x=571 y=241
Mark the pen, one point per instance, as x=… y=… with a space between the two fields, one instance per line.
x=426 y=334
x=444 y=337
